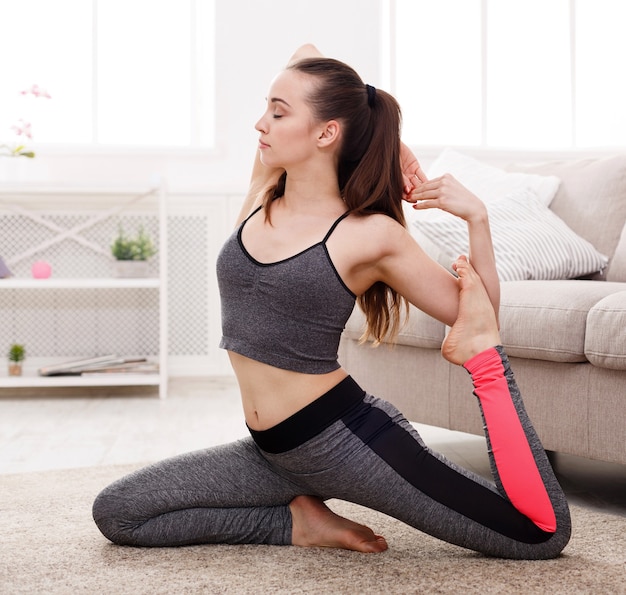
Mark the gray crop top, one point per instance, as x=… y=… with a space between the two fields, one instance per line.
x=289 y=314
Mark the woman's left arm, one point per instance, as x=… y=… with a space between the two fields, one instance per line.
x=448 y=194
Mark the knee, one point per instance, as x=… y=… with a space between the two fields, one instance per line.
x=110 y=514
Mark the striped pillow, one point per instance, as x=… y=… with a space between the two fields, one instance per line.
x=530 y=241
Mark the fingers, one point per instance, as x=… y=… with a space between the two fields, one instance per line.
x=412 y=173
x=419 y=173
x=447 y=194
x=426 y=196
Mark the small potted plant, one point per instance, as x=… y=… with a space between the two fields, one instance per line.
x=17 y=353
x=132 y=253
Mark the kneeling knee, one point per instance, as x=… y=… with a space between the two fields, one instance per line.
x=108 y=514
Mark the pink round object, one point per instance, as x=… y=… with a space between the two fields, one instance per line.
x=41 y=270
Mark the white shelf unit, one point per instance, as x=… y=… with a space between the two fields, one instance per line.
x=80 y=211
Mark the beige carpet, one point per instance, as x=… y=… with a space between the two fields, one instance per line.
x=49 y=544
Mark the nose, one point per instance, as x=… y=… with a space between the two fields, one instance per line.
x=261 y=125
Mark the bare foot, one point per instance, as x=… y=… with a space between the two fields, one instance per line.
x=476 y=328
x=314 y=524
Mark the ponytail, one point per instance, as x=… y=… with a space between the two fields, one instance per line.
x=375 y=186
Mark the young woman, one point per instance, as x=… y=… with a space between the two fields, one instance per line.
x=323 y=227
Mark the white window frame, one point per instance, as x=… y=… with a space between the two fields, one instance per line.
x=390 y=77
x=203 y=76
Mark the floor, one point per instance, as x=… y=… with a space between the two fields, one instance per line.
x=70 y=428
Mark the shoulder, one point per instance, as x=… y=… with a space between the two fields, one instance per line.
x=379 y=231
x=366 y=240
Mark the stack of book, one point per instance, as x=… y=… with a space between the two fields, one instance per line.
x=106 y=364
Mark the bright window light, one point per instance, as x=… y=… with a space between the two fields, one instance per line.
x=41 y=45
x=119 y=72
x=528 y=74
x=439 y=70
x=511 y=73
x=600 y=80
x=144 y=53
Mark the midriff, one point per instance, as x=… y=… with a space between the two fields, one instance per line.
x=270 y=395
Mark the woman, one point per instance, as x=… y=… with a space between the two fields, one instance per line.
x=322 y=227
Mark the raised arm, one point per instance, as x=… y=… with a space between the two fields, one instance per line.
x=448 y=194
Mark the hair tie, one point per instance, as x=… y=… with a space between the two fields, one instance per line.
x=371 y=95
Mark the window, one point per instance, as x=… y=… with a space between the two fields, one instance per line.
x=511 y=73
x=119 y=72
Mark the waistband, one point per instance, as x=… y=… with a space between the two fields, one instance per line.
x=311 y=420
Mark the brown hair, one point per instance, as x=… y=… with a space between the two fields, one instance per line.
x=369 y=171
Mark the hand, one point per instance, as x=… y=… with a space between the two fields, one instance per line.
x=448 y=194
x=308 y=50
x=412 y=172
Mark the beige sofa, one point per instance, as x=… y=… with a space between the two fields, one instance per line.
x=566 y=339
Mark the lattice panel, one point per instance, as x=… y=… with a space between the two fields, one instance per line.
x=68 y=257
x=60 y=323
x=81 y=322
x=188 y=287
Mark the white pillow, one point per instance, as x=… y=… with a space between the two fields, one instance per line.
x=530 y=241
x=489 y=182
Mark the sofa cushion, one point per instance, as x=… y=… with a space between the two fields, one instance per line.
x=591 y=198
x=420 y=330
x=605 y=340
x=547 y=320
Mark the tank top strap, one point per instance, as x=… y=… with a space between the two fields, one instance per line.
x=334 y=225
x=250 y=216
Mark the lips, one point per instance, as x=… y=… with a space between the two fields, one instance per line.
x=262 y=145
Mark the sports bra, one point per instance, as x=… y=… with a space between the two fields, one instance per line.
x=289 y=314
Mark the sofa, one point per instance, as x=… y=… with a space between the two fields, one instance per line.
x=565 y=337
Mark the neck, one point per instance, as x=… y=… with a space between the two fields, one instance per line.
x=313 y=190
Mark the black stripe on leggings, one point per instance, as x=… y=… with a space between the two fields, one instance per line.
x=434 y=478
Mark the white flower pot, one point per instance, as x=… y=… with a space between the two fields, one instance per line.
x=131 y=268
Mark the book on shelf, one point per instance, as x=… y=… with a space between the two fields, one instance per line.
x=144 y=367
x=108 y=363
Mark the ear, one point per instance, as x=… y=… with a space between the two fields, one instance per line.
x=329 y=134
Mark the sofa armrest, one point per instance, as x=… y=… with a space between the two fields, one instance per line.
x=605 y=340
x=547 y=320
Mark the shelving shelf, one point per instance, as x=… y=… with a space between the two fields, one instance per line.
x=86 y=283
x=72 y=222
x=32 y=381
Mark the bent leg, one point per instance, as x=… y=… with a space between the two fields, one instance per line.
x=226 y=494
x=387 y=467
x=519 y=464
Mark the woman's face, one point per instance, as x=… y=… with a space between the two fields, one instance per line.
x=288 y=131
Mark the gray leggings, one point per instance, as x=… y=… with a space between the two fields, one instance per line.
x=346 y=445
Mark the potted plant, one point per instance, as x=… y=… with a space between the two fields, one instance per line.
x=17 y=353
x=132 y=253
